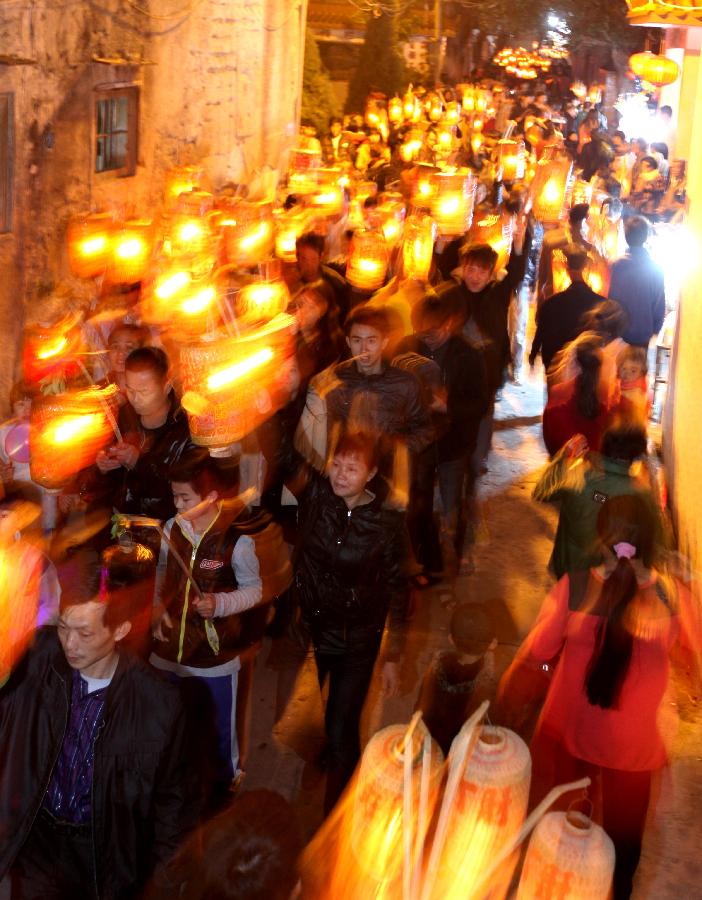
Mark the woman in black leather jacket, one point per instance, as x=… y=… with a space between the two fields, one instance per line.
x=349 y=575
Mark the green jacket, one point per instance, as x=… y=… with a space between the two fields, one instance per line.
x=582 y=486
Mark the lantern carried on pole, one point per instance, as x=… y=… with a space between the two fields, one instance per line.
x=249 y=233
x=89 y=244
x=131 y=252
x=418 y=246
x=452 y=204
x=549 y=189
x=511 y=161
x=368 y=260
x=568 y=856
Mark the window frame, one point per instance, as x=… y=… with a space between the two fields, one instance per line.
x=7 y=159
x=131 y=92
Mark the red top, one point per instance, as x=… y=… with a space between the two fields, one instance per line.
x=562 y=420
x=633 y=736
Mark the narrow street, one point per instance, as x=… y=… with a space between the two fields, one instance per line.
x=514 y=544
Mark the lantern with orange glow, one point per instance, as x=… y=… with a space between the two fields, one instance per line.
x=227 y=382
x=453 y=113
x=410 y=105
x=549 y=188
x=452 y=204
x=182 y=180
x=581 y=192
x=511 y=159
x=597 y=273
x=445 y=139
x=66 y=431
x=328 y=199
x=569 y=856
x=423 y=186
x=469 y=99
x=559 y=272
x=51 y=351
x=131 y=252
x=395 y=110
x=368 y=260
x=373 y=114
x=289 y=225
x=189 y=235
x=377 y=826
x=579 y=90
x=489 y=810
x=412 y=146
x=261 y=301
x=434 y=107
x=391 y=215
x=302 y=169
x=476 y=142
x=492 y=230
x=89 y=244
x=418 y=246
x=249 y=233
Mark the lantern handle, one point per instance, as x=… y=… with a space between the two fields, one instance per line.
x=105 y=405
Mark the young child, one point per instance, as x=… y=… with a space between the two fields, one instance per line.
x=458 y=680
x=632 y=371
x=199 y=629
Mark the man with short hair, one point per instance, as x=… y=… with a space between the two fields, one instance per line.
x=559 y=320
x=637 y=284
x=96 y=790
x=371 y=395
x=155 y=435
x=309 y=249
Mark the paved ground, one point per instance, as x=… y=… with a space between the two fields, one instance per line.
x=514 y=543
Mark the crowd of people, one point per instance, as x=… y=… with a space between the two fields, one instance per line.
x=160 y=567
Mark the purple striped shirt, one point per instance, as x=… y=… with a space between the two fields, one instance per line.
x=68 y=796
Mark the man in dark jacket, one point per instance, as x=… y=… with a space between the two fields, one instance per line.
x=466 y=399
x=484 y=304
x=637 y=285
x=96 y=792
x=373 y=396
x=156 y=434
x=559 y=319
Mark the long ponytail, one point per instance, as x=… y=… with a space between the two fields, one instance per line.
x=625 y=525
x=589 y=359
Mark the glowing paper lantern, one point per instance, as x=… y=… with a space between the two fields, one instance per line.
x=395 y=110
x=418 y=246
x=328 y=199
x=368 y=260
x=510 y=159
x=410 y=105
x=498 y=234
x=51 y=351
x=579 y=90
x=434 y=107
x=66 y=431
x=452 y=204
x=249 y=233
x=660 y=70
x=181 y=180
x=288 y=228
x=569 y=857
x=226 y=382
x=549 y=187
x=391 y=215
x=89 y=244
x=581 y=192
x=189 y=235
x=377 y=823
x=489 y=810
x=423 y=186
x=453 y=113
x=262 y=300
x=131 y=252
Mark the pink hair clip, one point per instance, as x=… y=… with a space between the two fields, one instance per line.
x=624 y=550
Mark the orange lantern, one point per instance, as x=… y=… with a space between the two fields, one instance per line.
x=452 y=204
x=181 y=180
x=434 y=107
x=51 y=351
x=131 y=252
x=418 y=246
x=581 y=192
x=659 y=70
x=249 y=233
x=328 y=199
x=453 y=113
x=189 y=235
x=391 y=215
x=597 y=274
x=559 y=272
x=89 y=244
x=579 y=90
x=227 y=381
x=549 y=188
x=66 y=431
x=491 y=230
x=412 y=146
x=423 y=184
x=368 y=260
x=262 y=300
x=302 y=169
x=409 y=105
x=395 y=110
x=510 y=159
x=469 y=99
x=288 y=228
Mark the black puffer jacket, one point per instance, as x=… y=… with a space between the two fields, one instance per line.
x=388 y=404
x=144 y=790
x=350 y=570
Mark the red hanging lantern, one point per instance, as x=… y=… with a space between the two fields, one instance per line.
x=660 y=70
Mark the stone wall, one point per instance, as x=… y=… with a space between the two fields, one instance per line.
x=221 y=86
